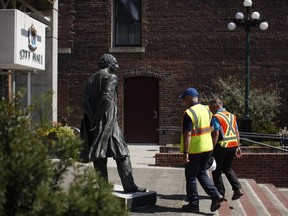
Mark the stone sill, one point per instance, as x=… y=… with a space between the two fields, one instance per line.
x=127 y=49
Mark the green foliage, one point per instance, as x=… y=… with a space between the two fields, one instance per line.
x=87 y=195
x=56 y=130
x=33 y=184
x=60 y=139
x=263 y=104
x=22 y=160
x=42 y=105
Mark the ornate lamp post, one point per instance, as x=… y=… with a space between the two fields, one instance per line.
x=247 y=21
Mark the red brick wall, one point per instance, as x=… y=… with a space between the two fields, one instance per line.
x=186 y=42
x=66 y=24
x=263 y=167
x=270 y=166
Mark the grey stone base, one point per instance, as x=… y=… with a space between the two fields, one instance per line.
x=135 y=200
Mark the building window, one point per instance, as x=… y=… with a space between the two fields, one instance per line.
x=127 y=23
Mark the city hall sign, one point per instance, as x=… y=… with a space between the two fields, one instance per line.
x=22 y=41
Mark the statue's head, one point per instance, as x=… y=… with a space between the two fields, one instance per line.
x=108 y=61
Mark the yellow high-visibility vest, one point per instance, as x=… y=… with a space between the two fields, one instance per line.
x=201 y=140
x=228 y=129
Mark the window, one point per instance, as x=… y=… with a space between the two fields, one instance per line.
x=127 y=23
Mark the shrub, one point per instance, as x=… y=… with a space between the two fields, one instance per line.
x=42 y=106
x=87 y=195
x=22 y=160
x=30 y=184
x=263 y=106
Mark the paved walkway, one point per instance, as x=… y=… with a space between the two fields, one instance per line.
x=142 y=156
x=169 y=183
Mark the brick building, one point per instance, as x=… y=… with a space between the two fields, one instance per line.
x=170 y=45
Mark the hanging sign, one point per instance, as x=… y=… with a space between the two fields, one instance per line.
x=22 y=41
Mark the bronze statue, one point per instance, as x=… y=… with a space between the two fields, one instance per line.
x=99 y=128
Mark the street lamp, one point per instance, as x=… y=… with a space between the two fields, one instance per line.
x=247 y=21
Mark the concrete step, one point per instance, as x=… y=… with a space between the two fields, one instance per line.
x=258 y=199
x=279 y=200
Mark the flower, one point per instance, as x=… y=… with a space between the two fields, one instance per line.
x=56 y=131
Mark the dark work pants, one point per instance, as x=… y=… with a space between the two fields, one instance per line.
x=124 y=170
x=224 y=158
x=196 y=169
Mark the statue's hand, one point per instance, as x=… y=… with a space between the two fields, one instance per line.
x=92 y=126
x=92 y=129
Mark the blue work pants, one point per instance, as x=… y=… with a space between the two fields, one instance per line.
x=196 y=169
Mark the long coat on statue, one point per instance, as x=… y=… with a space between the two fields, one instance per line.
x=99 y=128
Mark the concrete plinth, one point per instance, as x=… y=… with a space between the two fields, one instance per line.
x=135 y=200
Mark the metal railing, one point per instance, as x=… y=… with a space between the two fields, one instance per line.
x=165 y=129
x=245 y=136
x=282 y=138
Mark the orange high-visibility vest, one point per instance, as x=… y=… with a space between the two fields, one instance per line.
x=228 y=129
x=201 y=140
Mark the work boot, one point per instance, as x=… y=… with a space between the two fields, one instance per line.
x=216 y=203
x=190 y=208
x=237 y=194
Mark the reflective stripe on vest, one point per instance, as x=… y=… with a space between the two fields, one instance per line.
x=199 y=131
x=229 y=138
x=201 y=140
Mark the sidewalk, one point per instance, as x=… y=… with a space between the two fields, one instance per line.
x=169 y=183
x=142 y=156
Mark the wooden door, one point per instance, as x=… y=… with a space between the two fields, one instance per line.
x=141 y=96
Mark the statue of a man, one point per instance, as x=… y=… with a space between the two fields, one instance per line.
x=99 y=128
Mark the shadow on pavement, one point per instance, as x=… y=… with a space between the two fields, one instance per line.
x=163 y=209
x=165 y=199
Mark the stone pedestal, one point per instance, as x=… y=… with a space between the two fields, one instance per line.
x=135 y=200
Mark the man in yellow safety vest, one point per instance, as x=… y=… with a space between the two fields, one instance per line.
x=196 y=145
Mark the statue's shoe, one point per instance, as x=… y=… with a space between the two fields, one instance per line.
x=135 y=189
